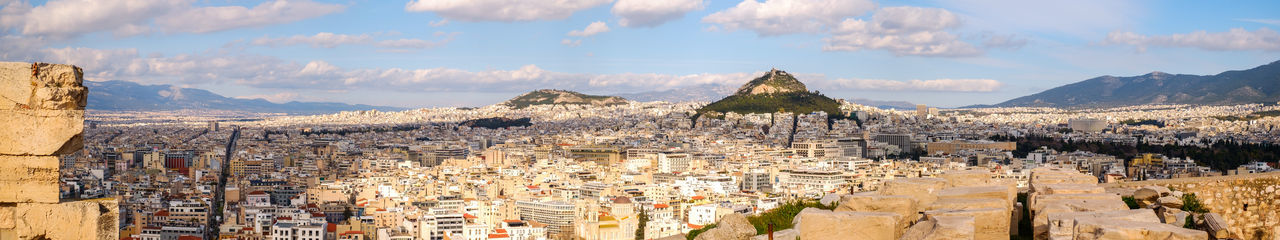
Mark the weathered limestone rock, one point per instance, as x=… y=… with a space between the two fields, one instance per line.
x=904 y=206
x=1218 y=227
x=41 y=132
x=1149 y=194
x=28 y=179
x=942 y=228
x=788 y=234
x=1040 y=218
x=924 y=190
x=966 y=203
x=1042 y=176
x=816 y=223
x=1172 y=202
x=1038 y=201
x=41 y=107
x=732 y=226
x=1062 y=225
x=1068 y=189
x=1090 y=229
x=989 y=223
x=967 y=178
x=86 y=219
x=41 y=86
x=1007 y=193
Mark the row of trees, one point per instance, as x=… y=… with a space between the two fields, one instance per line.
x=1219 y=155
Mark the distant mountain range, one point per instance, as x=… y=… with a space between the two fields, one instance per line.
x=699 y=93
x=561 y=97
x=1258 y=85
x=130 y=96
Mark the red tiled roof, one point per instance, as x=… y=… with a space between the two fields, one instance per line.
x=698 y=197
x=500 y=230
x=331 y=227
x=660 y=205
x=695 y=226
x=499 y=235
x=162 y=213
x=469 y=216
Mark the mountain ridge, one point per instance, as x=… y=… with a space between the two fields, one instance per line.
x=120 y=95
x=1260 y=84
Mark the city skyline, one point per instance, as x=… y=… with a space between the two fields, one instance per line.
x=466 y=53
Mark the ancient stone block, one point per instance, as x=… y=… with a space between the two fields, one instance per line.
x=1090 y=229
x=6 y=215
x=967 y=178
x=41 y=86
x=1040 y=220
x=966 y=203
x=924 y=190
x=1170 y=201
x=815 y=223
x=1062 y=225
x=1003 y=192
x=1150 y=193
x=87 y=219
x=904 y=206
x=942 y=228
x=732 y=227
x=1218 y=227
x=1068 y=189
x=989 y=223
x=1037 y=201
x=41 y=132
x=28 y=179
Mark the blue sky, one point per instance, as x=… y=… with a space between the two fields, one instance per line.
x=426 y=53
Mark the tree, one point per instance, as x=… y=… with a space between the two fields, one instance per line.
x=643 y=218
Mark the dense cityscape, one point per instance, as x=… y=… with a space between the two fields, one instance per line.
x=588 y=172
x=639 y=120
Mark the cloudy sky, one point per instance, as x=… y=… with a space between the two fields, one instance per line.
x=424 y=53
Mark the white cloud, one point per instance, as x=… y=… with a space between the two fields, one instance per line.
x=591 y=30
x=70 y=18
x=778 y=17
x=1078 y=18
x=413 y=43
x=502 y=10
x=651 y=13
x=213 y=19
x=220 y=67
x=440 y=23
x=320 y=40
x=940 y=85
x=331 y=40
x=1262 y=21
x=903 y=31
x=61 y=19
x=571 y=42
x=1237 y=39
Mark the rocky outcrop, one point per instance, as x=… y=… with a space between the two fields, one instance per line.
x=813 y=223
x=731 y=227
x=1063 y=225
x=41 y=117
